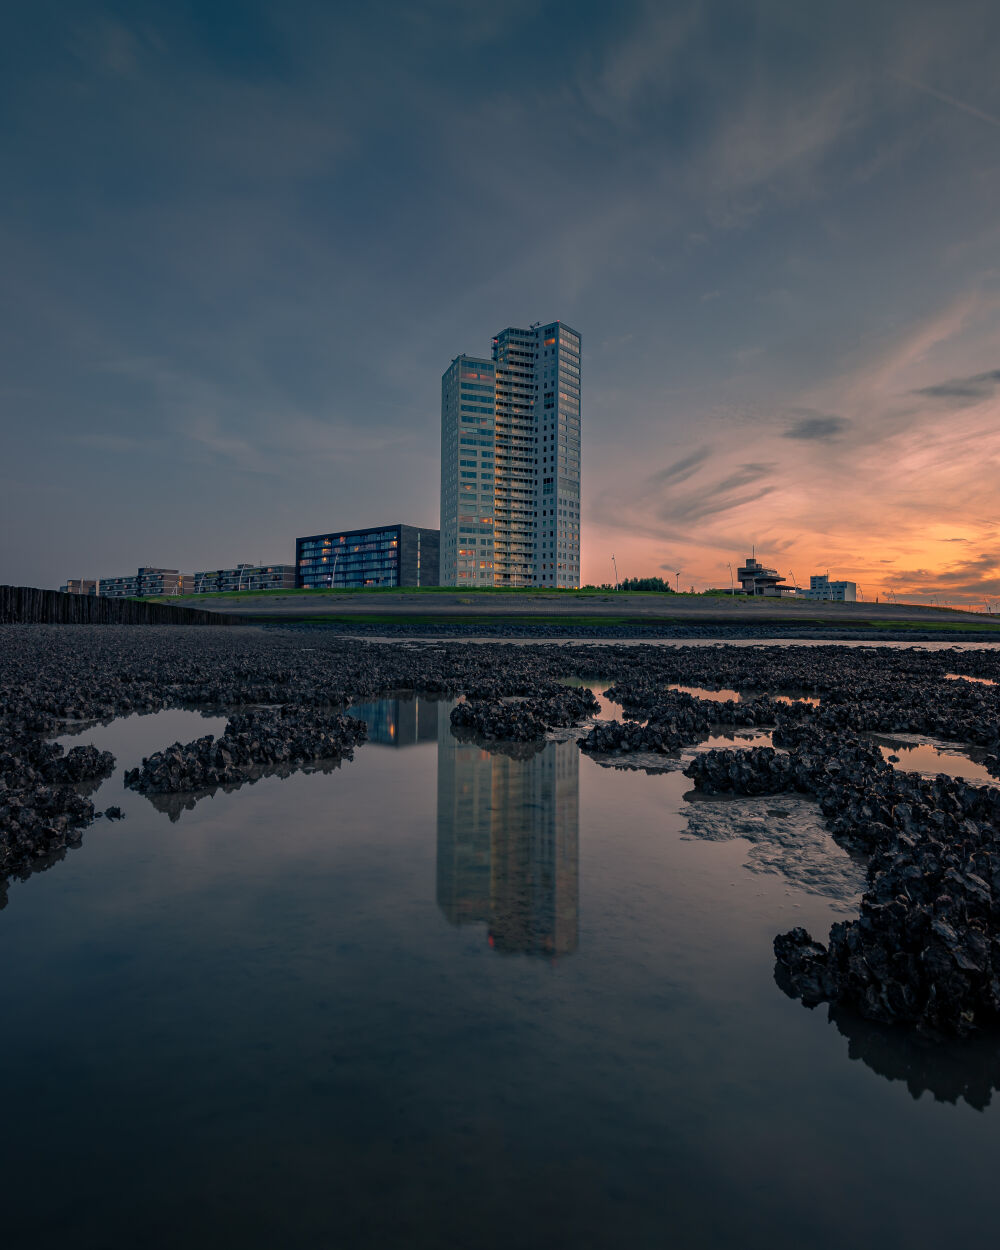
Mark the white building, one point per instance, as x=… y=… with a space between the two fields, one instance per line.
x=820 y=587
x=510 y=462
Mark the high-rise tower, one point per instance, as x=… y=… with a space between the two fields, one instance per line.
x=510 y=462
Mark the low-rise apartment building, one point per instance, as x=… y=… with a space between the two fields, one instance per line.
x=245 y=577
x=382 y=555
x=146 y=581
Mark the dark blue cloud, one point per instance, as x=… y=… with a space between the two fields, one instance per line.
x=822 y=427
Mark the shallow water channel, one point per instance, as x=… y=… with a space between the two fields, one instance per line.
x=441 y=997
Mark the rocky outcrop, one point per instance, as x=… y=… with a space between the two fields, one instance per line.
x=524 y=720
x=268 y=738
x=925 y=950
x=42 y=807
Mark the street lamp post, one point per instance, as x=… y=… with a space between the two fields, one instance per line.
x=614 y=562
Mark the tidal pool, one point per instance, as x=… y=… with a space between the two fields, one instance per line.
x=915 y=753
x=724 y=695
x=438 y=997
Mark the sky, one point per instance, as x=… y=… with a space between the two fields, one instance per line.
x=240 y=241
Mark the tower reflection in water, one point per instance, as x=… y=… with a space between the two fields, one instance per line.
x=399 y=722
x=508 y=843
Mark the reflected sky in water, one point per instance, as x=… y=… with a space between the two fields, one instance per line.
x=443 y=996
x=930 y=756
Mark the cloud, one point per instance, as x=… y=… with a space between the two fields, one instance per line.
x=948 y=99
x=821 y=428
x=637 y=61
x=680 y=470
x=669 y=502
x=988 y=563
x=971 y=389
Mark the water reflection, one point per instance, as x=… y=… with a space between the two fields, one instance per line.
x=720 y=695
x=508 y=842
x=928 y=756
x=950 y=1070
x=401 y=722
x=174 y=805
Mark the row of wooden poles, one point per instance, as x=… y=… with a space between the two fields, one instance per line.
x=29 y=605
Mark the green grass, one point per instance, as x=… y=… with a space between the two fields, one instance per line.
x=551 y=594
x=572 y=622
x=379 y=618
x=951 y=626
x=473 y=592
x=535 y=592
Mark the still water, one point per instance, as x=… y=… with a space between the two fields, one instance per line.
x=930 y=756
x=439 y=997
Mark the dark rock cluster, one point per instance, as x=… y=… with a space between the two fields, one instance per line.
x=264 y=738
x=675 y=719
x=524 y=720
x=631 y=737
x=925 y=950
x=43 y=804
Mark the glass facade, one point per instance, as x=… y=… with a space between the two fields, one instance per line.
x=510 y=486
x=349 y=559
x=385 y=555
x=468 y=460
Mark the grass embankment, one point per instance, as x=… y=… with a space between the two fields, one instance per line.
x=639 y=624
x=534 y=592
x=959 y=627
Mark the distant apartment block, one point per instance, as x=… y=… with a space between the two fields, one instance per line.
x=510 y=462
x=79 y=586
x=244 y=577
x=384 y=555
x=821 y=588
x=146 y=581
x=756 y=579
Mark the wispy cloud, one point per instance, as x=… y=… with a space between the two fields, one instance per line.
x=680 y=470
x=948 y=99
x=969 y=390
